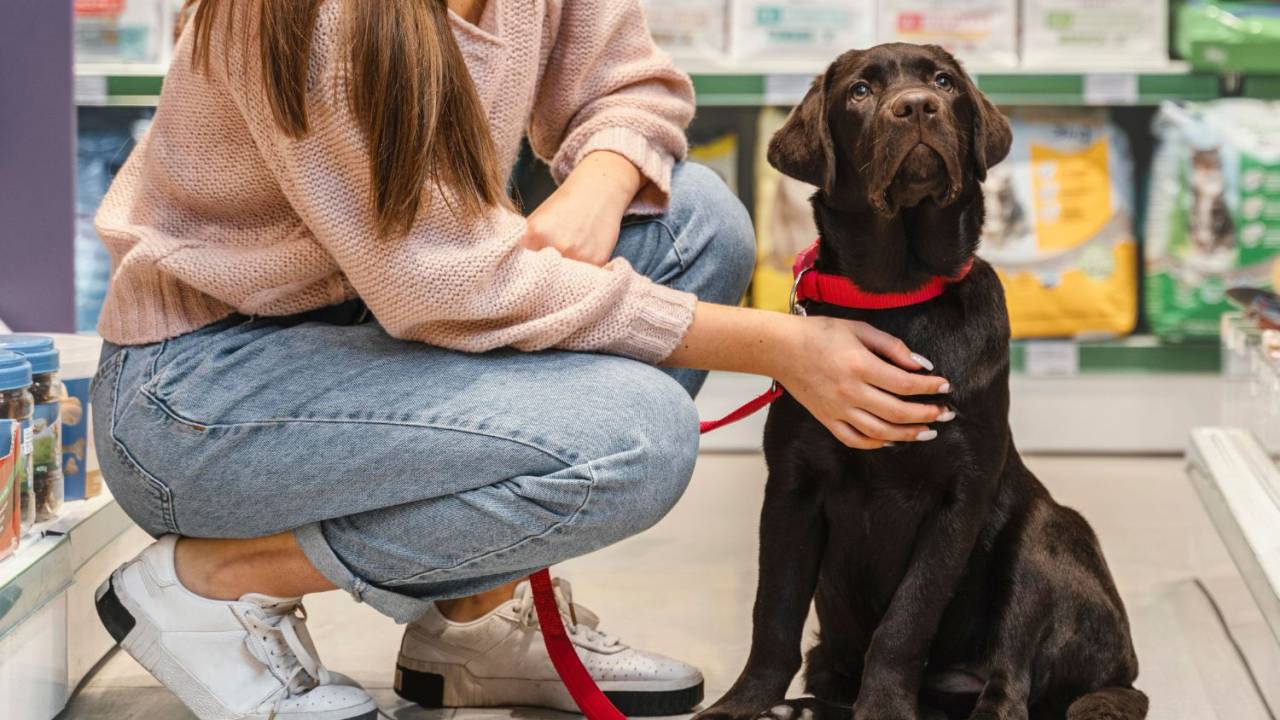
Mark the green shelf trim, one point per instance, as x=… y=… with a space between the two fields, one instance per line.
x=1262 y=87
x=1137 y=355
x=134 y=85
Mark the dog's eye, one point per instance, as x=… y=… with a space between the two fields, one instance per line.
x=944 y=81
x=860 y=90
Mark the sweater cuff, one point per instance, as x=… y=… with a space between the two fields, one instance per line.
x=657 y=325
x=655 y=166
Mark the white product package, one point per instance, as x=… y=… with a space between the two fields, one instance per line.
x=800 y=29
x=1122 y=34
x=690 y=29
x=981 y=33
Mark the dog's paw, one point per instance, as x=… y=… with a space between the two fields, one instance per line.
x=729 y=711
x=799 y=709
x=885 y=707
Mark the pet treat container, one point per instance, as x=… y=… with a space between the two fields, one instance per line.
x=46 y=420
x=10 y=516
x=17 y=404
x=79 y=356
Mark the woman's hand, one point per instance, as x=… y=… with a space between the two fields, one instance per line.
x=845 y=373
x=583 y=216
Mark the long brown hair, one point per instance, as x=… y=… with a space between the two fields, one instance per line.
x=407 y=85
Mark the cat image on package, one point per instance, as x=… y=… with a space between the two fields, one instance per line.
x=1210 y=228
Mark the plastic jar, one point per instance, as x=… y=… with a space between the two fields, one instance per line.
x=46 y=421
x=17 y=404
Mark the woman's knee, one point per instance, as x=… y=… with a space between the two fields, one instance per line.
x=704 y=204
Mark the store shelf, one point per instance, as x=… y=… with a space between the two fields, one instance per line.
x=753 y=83
x=1239 y=485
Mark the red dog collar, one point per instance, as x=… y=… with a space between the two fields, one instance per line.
x=839 y=290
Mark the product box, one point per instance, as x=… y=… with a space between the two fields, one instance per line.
x=79 y=459
x=981 y=33
x=1119 y=34
x=1214 y=211
x=1059 y=227
x=122 y=30
x=800 y=29
x=10 y=462
x=690 y=29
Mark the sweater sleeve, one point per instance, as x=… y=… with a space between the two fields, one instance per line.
x=606 y=86
x=464 y=284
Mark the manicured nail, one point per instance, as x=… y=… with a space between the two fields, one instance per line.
x=890 y=444
x=947 y=415
x=944 y=388
x=927 y=435
x=922 y=361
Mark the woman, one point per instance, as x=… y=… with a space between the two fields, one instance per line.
x=338 y=358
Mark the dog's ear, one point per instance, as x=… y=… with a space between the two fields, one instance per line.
x=802 y=148
x=991 y=134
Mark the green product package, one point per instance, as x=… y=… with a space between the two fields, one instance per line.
x=1232 y=36
x=1214 y=211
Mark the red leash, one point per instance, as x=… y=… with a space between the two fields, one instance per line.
x=809 y=285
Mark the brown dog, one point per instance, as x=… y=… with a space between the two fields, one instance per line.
x=948 y=583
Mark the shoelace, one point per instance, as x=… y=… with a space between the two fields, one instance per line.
x=281 y=642
x=580 y=633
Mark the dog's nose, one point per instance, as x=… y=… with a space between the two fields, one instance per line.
x=915 y=106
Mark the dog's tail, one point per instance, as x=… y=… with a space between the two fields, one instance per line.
x=1115 y=703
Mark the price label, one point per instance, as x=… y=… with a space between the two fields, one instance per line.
x=90 y=89
x=1111 y=89
x=786 y=89
x=1052 y=358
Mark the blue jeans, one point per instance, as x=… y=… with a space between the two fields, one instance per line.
x=410 y=473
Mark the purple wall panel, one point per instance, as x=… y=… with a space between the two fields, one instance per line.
x=37 y=166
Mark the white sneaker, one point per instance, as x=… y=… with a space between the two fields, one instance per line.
x=500 y=659
x=246 y=660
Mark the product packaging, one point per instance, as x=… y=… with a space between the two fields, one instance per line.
x=690 y=29
x=1233 y=36
x=784 y=222
x=981 y=33
x=1108 y=34
x=10 y=518
x=46 y=420
x=1059 y=226
x=17 y=404
x=122 y=30
x=1214 y=211
x=721 y=155
x=800 y=29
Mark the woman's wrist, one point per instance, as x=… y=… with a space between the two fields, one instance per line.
x=737 y=339
x=611 y=177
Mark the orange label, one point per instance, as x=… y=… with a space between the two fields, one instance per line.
x=98 y=8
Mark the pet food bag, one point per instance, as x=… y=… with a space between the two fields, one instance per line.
x=784 y=222
x=721 y=155
x=800 y=29
x=1059 y=226
x=690 y=29
x=981 y=33
x=1120 y=34
x=1214 y=211
x=10 y=520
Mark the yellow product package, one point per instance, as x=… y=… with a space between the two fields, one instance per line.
x=784 y=222
x=721 y=155
x=1059 y=226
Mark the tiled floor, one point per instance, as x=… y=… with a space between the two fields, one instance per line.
x=686 y=587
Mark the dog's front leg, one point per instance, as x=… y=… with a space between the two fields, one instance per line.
x=899 y=649
x=792 y=535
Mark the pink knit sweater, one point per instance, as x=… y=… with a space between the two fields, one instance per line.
x=218 y=212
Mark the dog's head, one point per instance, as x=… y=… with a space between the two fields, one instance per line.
x=891 y=127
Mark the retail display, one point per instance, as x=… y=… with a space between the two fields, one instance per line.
x=46 y=421
x=79 y=356
x=784 y=222
x=1236 y=36
x=1059 y=225
x=121 y=30
x=690 y=29
x=807 y=29
x=1095 y=33
x=983 y=33
x=1213 y=213
x=17 y=404
x=10 y=513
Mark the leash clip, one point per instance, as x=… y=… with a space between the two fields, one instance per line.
x=794 y=300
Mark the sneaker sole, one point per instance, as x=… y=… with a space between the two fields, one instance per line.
x=142 y=641
x=454 y=686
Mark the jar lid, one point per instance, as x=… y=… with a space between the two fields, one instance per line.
x=37 y=349
x=15 y=371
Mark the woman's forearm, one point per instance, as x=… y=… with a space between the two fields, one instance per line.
x=735 y=339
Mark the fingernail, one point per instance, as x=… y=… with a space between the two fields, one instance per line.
x=922 y=361
x=947 y=415
x=944 y=388
x=927 y=435
x=890 y=444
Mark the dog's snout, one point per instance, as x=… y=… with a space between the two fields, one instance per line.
x=915 y=106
